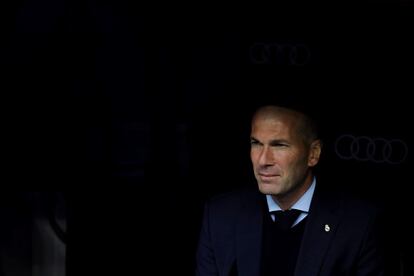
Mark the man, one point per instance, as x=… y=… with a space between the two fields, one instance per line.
x=289 y=225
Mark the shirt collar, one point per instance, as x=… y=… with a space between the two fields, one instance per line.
x=302 y=204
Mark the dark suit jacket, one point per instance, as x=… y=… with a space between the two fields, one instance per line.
x=340 y=237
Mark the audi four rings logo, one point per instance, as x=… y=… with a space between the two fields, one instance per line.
x=378 y=150
x=277 y=53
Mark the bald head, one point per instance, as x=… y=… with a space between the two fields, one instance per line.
x=304 y=126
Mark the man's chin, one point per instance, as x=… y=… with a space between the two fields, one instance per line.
x=269 y=189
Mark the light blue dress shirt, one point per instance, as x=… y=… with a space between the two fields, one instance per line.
x=302 y=204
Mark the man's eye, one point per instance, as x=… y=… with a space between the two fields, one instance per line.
x=280 y=145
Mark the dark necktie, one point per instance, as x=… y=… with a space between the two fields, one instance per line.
x=285 y=219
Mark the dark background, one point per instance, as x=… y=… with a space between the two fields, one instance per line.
x=140 y=114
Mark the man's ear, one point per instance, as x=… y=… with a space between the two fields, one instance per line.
x=314 y=153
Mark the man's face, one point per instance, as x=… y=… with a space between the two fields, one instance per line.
x=280 y=158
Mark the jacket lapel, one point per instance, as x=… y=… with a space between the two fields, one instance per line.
x=249 y=236
x=321 y=226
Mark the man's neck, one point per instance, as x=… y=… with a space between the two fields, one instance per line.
x=286 y=201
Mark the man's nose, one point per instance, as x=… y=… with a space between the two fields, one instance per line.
x=266 y=157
